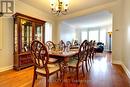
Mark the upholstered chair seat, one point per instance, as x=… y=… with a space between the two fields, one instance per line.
x=73 y=63
x=51 y=67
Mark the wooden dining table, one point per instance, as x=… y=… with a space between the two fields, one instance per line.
x=64 y=56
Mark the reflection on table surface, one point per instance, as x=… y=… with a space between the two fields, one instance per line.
x=63 y=53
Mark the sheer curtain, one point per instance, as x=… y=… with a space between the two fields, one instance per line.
x=94 y=35
x=48 y=31
x=103 y=36
x=83 y=35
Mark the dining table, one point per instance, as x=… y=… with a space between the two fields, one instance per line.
x=64 y=56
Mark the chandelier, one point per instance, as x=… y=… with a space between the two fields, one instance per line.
x=59 y=6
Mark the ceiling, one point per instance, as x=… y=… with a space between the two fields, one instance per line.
x=98 y=19
x=75 y=5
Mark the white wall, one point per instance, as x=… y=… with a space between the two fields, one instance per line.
x=0 y=33
x=6 y=53
x=66 y=32
x=117 y=32
x=126 y=34
x=6 y=32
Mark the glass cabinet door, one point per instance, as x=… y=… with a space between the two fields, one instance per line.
x=26 y=35
x=16 y=38
x=38 y=32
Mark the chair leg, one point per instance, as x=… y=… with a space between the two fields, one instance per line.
x=63 y=78
x=89 y=62
x=93 y=57
x=34 y=77
x=57 y=74
x=86 y=63
x=69 y=69
x=61 y=75
x=83 y=69
x=47 y=81
x=77 y=76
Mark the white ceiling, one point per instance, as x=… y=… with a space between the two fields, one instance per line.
x=93 y=20
x=75 y=5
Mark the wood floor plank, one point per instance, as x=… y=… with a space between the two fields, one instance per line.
x=102 y=74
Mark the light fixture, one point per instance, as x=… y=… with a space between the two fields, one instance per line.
x=110 y=34
x=59 y=6
x=1 y=14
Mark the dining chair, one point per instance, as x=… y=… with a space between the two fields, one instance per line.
x=68 y=43
x=77 y=63
x=93 y=49
x=87 y=59
x=40 y=59
x=62 y=45
x=51 y=47
x=91 y=53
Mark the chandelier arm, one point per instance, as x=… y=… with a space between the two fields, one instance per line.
x=64 y=12
x=59 y=9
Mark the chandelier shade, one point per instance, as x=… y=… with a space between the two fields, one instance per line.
x=59 y=6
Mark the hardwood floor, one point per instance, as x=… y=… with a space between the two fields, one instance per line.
x=102 y=74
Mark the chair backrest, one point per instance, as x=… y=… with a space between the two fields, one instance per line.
x=83 y=51
x=68 y=43
x=88 y=47
x=76 y=43
x=92 y=44
x=62 y=45
x=39 y=54
x=50 y=45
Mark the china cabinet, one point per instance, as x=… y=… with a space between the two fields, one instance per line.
x=26 y=29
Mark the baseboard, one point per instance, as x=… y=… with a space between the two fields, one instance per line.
x=6 y=68
x=126 y=70
x=116 y=62
x=123 y=66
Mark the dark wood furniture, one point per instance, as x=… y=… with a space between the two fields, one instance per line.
x=41 y=66
x=88 y=53
x=76 y=63
x=26 y=29
x=62 y=45
x=68 y=43
x=90 y=49
x=65 y=57
x=50 y=45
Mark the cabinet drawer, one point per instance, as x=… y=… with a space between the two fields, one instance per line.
x=25 y=60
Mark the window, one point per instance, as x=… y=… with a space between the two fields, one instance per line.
x=103 y=36
x=83 y=35
x=93 y=35
x=48 y=32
